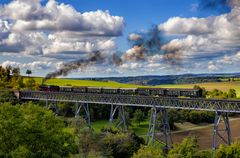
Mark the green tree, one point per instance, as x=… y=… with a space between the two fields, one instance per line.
x=174 y=117
x=138 y=116
x=232 y=151
x=149 y=152
x=19 y=83
x=186 y=149
x=203 y=154
x=31 y=83
x=232 y=93
x=32 y=131
x=7 y=74
x=28 y=72
x=7 y=96
x=15 y=72
x=120 y=145
x=204 y=92
x=86 y=140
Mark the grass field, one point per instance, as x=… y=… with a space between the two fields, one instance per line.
x=140 y=130
x=224 y=86
x=64 y=82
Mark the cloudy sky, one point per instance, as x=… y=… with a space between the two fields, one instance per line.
x=148 y=37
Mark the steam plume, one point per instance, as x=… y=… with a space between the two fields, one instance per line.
x=143 y=45
x=94 y=58
x=150 y=43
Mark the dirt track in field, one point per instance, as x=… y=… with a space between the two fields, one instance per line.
x=204 y=134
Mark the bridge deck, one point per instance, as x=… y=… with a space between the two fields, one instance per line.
x=146 y=101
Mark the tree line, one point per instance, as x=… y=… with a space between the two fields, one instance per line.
x=10 y=78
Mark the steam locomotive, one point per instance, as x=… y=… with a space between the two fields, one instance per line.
x=167 y=92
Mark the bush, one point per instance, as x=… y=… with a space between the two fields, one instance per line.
x=228 y=151
x=120 y=145
x=187 y=148
x=8 y=96
x=149 y=152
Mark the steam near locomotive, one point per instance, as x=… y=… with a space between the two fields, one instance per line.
x=167 y=92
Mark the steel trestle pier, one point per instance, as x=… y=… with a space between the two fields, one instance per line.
x=122 y=115
x=158 y=105
x=159 y=120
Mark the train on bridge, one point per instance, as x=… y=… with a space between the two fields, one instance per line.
x=164 y=92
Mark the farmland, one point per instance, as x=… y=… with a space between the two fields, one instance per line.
x=72 y=82
x=224 y=86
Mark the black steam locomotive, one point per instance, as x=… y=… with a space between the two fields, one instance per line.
x=167 y=92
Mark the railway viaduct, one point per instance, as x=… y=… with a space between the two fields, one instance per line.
x=159 y=106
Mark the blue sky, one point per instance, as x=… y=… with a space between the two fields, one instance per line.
x=141 y=14
x=45 y=35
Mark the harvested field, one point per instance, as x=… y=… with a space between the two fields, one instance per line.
x=204 y=134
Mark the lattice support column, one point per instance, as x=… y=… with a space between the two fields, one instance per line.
x=85 y=108
x=46 y=103
x=53 y=106
x=121 y=112
x=161 y=124
x=221 y=133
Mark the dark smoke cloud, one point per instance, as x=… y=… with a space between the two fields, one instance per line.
x=173 y=56
x=144 y=44
x=149 y=43
x=94 y=58
x=218 y=5
x=136 y=53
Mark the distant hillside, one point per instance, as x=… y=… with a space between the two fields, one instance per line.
x=171 y=79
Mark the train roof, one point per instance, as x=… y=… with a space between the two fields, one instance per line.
x=187 y=89
x=183 y=89
x=95 y=87
x=79 y=86
x=48 y=86
x=109 y=88
x=129 y=88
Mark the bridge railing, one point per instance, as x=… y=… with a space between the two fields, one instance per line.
x=145 y=101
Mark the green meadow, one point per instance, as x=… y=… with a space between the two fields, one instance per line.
x=140 y=129
x=72 y=82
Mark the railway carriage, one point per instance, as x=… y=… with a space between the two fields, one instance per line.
x=109 y=90
x=158 y=91
x=79 y=89
x=94 y=89
x=161 y=92
x=173 y=92
x=144 y=91
x=65 y=89
x=50 y=88
x=128 y=91
x=189 y=92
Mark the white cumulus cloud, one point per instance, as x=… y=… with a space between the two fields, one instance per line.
x=56 y=30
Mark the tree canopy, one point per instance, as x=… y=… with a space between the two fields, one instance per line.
x=32 y=131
